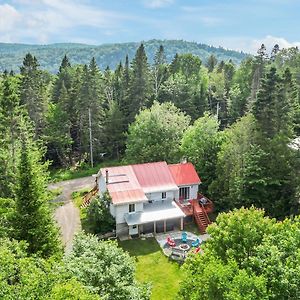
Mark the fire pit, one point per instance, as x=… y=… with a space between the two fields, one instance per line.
x=184 y=247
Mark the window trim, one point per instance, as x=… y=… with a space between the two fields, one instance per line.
x=185 y=192
x=131 y=208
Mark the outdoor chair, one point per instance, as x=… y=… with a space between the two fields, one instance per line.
x=197 y=250
x=184 y=237
x=196 y=243
x=171 y=242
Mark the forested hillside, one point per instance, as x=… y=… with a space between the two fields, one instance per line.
x=49 y=56
x=233 y=122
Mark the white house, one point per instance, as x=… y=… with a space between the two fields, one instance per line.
x=144 y=196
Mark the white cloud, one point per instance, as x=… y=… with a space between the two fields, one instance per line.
x=251 y=45
x=9 y=17
x=210 y=21
x=39 y=19
x=158 y=3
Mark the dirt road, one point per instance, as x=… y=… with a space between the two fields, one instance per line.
x=67 y=216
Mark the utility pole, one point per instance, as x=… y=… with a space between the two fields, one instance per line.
x=91 y=140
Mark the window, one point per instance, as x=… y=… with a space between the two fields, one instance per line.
x=133 y=226
x=164 y=195
x=184 y=193
x=131 y=208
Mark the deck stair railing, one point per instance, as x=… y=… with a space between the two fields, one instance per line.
x=200 y=215
x=89 y=196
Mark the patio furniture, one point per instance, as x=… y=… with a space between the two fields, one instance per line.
x=171 y=242
x=196 y=243
x=197 y=250
x=184 y=237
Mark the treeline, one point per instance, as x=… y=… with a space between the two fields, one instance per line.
x=147 y=111
x=49 y=56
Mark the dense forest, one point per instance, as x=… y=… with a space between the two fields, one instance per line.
x=49 y=56
x=234 y=122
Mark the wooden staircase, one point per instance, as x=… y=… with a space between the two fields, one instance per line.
x=201 y=218
x=88 y=197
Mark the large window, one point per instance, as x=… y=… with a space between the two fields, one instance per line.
x=131 y=208
x=184 y=193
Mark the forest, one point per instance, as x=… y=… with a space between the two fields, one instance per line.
x=49 y=56
x=234 y=122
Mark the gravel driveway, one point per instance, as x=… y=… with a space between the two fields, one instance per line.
x=67 y=215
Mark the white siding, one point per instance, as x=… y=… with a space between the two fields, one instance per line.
x=121 y=210
x=102 y=184
x=158 y=196
x=193 y=191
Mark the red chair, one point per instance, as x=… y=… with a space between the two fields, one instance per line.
x=171 y=242
x=197 y=250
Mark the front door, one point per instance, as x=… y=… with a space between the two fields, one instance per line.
x=133 y=229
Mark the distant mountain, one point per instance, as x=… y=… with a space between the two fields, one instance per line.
x=50 y=56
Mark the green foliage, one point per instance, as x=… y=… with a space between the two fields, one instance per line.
x=156 y=134
x=33 y=221
x=99 y=218
x=7 y=207
x=25 y=277
x=248 y=256
x=104 y=268
x=200 y=145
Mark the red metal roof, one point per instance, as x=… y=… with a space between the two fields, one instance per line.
x=184 y=174
x=130 y=183
x=154 y=177
x=122 y=185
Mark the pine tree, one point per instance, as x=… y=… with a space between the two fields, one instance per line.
x=211 y=63
x=33 y=221
x=10 y=112
x=64 y=76
x=34 y=94
x=140 y=85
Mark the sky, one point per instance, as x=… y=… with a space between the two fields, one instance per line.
x=234 y=24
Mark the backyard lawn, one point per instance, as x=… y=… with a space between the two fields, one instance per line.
x=154 y=267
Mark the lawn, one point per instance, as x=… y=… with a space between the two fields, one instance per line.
x=153 y=266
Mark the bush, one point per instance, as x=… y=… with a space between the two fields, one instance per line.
x=99 y=218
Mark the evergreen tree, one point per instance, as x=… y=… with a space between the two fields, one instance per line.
x=10 y=113
x=33 y=221
x=34 y=92
x=211 y=63
x=140 y=85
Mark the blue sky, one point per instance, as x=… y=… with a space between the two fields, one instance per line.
x=241 y=25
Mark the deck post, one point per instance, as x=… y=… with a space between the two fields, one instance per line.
x=154 y=227
x=181 y=223
x=165 y=226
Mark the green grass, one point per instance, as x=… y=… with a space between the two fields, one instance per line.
x=153 y=267
x=57 y=175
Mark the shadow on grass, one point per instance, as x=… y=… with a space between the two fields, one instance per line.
x=139 y=247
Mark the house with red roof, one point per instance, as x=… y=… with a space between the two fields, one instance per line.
x=153 y=197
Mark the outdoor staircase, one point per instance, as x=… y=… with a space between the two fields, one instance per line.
x=201 y=218
x=89 y=196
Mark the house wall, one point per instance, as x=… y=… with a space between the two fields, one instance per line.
x=158 y=196
x=101 y=184
x=193 y=191
x=121 y=210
